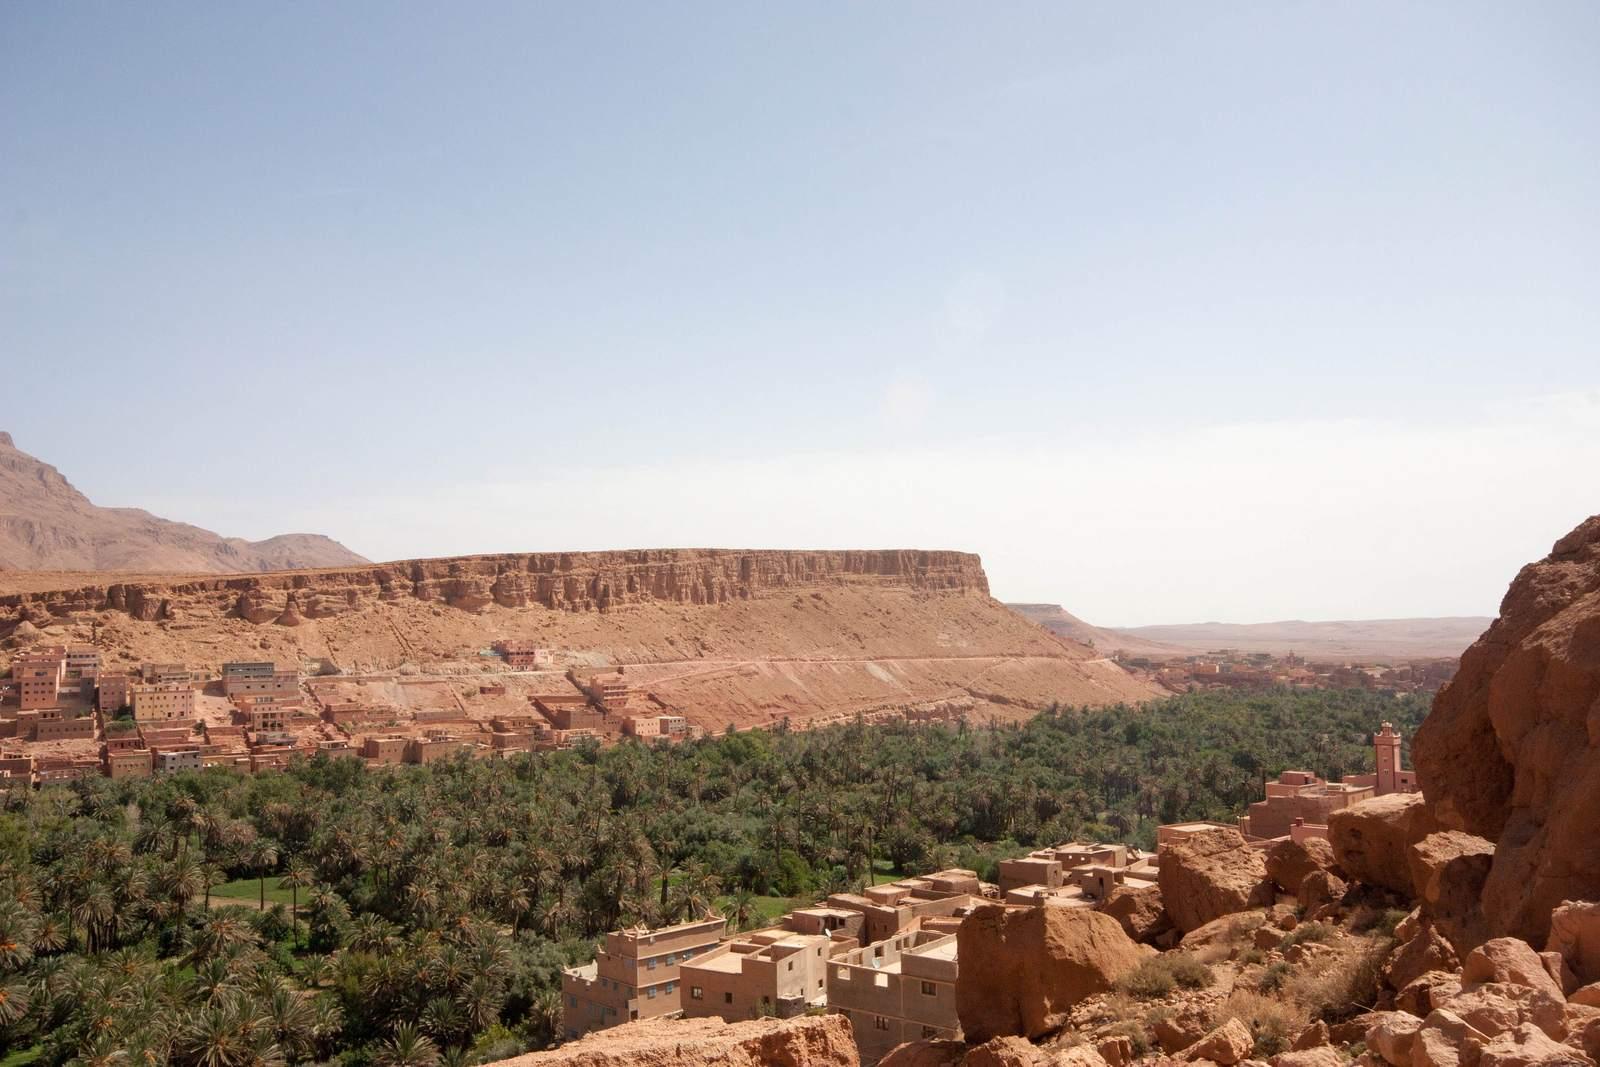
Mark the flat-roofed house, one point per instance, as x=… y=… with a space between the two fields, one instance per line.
x=161 y=701
x=768 y=972
x=635 y=975
x=902 y=989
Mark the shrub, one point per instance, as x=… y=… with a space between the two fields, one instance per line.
x=1274 y=976
x=1159 y=975
x=1379 y=922
x=1149 y=981
x=1342 y=987
x=1312 y=931
x=1273 y=1024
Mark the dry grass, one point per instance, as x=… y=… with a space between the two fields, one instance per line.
x=1342 y=986
x=1272 y=1022
x=1160 y=975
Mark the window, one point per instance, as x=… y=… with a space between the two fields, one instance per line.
x=928 y=990
x=696 y=993
x=651 y=993
x=880 y=1023
x=791 y=965
x=650 y=964
x=670 y=959
x=727 y=998
x=670 y=986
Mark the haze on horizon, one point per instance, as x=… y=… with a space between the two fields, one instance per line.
x=1243 y=313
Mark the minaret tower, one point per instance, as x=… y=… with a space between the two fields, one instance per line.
x=1386 y=744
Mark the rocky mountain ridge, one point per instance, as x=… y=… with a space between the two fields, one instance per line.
x=567 y=581
x=47 y=524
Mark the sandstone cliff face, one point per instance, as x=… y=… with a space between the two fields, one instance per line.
x=1511 y=750
x=809 y=1041
x=572 y=581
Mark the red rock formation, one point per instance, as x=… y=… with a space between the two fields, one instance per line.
x=1211 y=874
x=573 y=581
x=1022 y=969
x=1511 y=750
x=808 y=1041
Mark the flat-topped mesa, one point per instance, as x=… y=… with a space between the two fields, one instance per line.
x=570 y=581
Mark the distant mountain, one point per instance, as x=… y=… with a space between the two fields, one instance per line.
x=1347 y=639
x=1062 y=623
x=47 y=525
x=1440 y=638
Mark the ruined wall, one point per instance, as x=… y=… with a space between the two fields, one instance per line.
x=570 y=581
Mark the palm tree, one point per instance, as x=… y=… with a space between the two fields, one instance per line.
x=292 y=1019
x=296 y=878
x=13 y=1003
x=740 y=909
x=263 y=856
x=408 y=1047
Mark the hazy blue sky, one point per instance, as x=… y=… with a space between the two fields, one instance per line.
x=1172 y=311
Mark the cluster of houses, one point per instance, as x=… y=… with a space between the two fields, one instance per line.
x=65 y=715
x=887 y=957
x=1232 y=669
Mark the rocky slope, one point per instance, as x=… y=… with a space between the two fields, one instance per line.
x=1511 y=750
x=46 y=524
x=1061 y=622
x=809 y=1041
x=727 y=637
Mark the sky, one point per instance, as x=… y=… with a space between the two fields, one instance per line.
x=1173 y=313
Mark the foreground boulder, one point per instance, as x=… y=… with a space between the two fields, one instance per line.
x=1139 y=909
x=1211 y=874
x=1448 y=871
x=999 y=1052
x=1575 y=935
x=1022 y=969
x=1509 y=751
x=1372 y=840
x=1289 y=861
x=1228 y=1044
x=807 y=1041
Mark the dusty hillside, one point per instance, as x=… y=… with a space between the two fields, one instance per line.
x=46 y=524
x=1356 y=638
x=740 y=637
x=1062 y=623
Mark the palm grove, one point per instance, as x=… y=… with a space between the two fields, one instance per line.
x=430 y=910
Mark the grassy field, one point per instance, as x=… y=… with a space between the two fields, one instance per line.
x=247 y=891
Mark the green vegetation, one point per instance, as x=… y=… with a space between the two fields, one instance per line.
x=1160 y=975
x=429 y=909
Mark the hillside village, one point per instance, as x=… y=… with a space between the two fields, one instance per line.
x=66 y=715
x=1447 y=916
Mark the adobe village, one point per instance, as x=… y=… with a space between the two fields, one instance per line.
x=1431 y=917
x=1446 y=917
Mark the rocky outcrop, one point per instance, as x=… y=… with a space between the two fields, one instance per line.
x=1511 y=750
x=1230 y=1043
x=568 y=581
x=808 y=1041
x=1140 y=911
x=1372 y=840
x=1448 y=871
x=1022 y=969
x=1211 y=874
x=1575 y=936
x=1289 y=861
